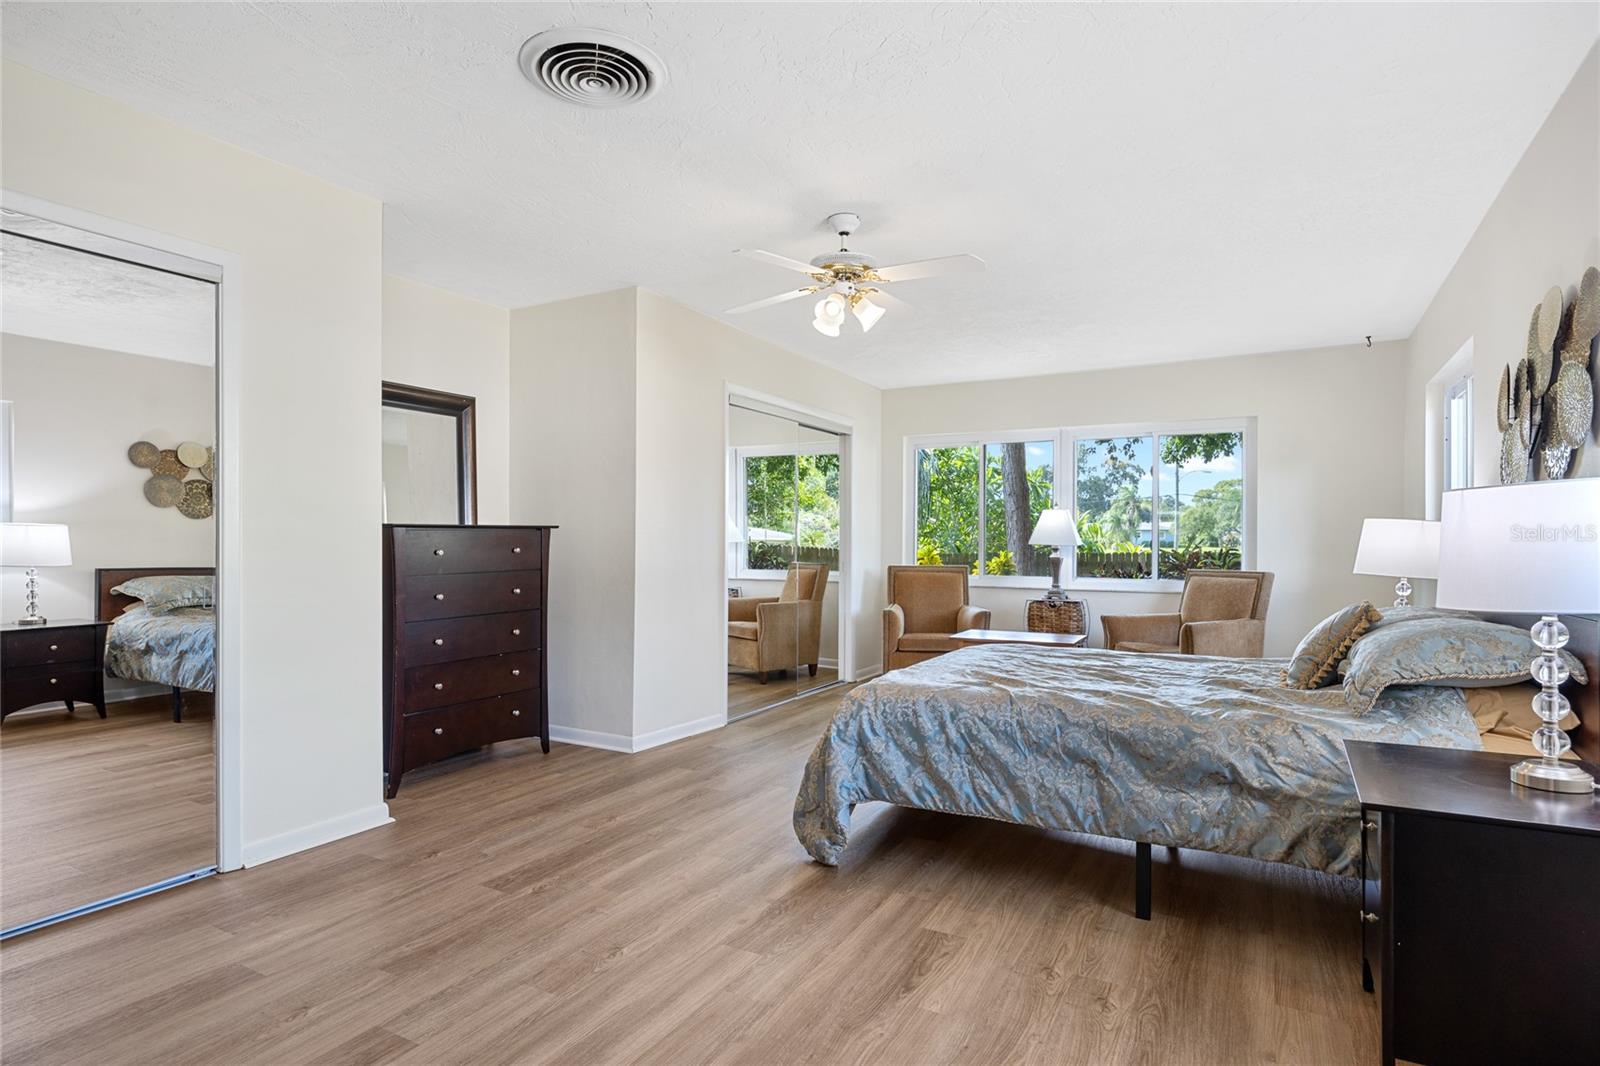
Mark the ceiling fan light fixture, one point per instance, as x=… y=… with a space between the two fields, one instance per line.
x=867 y=313
x=831 y=308
x=826 y=327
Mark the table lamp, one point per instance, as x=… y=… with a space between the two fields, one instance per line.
x=34 y=544
x=1398 y=547
x=1530 y=548
x=1057 y=530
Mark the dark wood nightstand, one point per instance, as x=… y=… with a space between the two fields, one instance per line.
x=1480 y=908
x=60 y=660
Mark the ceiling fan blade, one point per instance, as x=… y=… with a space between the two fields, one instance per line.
x=883 y=298
x=928 y=268
x=775 y=259
x=770 y=300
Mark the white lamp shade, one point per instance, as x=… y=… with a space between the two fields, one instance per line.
x=1055 y=528
x=34 y=544
x=1398 y=547
x=1532 y=548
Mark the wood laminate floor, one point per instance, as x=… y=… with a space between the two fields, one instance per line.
x=746 y=693
x=92 y=807
x=592 y=907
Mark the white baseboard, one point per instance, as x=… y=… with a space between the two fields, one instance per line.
x=867 y=673
x=259 y=851
x=589 y=738
x=677 y=732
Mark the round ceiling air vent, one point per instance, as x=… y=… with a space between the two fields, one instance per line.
x=591 y=68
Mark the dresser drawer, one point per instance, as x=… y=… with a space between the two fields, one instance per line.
x=25 y=687
x=445 y=731
x=467 y=550
x=440 y=684
x=51 y=646
x=464 y=638
x=457 y=595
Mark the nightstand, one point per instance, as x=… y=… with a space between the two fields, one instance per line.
x=60 y=660
x=1462 y=872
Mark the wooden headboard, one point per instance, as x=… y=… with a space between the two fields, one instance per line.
x=108 y=605
x=1584 y=644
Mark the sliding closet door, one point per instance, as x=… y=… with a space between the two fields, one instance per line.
x=817 y=458
x=766 y=618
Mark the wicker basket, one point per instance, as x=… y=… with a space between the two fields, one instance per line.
x=1058 y=616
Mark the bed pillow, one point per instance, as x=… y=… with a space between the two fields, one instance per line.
x=1388 y=616
x=1319 y=652
x=1508 y=710
x=165 y=592
x=1456 y=652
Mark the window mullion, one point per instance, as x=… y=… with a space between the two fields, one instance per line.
x=983 y=504
x=1155 y=507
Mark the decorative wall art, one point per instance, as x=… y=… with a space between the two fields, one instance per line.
x=1545 y=407
x=170 y=484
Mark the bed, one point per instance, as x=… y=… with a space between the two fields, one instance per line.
x=176 y=649
x=1182 y=751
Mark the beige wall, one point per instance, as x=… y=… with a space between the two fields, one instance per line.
x=310 y=321
x=1542 y=230
x=572 y=464
x=75 y=411
x=1327 y=446
x=439 y=340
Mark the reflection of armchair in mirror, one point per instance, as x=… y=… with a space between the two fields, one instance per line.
x=429 y=457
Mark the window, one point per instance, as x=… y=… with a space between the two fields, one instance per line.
x=1458 y=435
x=976 y=505
x=789 y=509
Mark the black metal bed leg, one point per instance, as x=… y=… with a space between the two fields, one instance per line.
x=177 y=704
x=1141 y=881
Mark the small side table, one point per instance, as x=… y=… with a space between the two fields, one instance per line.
x=969 y=637
x=60 y=660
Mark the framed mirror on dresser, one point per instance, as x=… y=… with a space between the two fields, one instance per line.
x=430 y=464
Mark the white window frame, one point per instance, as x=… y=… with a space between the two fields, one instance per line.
x=736 y=457
x=1457 y=434
x=1065 y=440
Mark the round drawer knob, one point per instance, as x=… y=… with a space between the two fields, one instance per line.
x=438 y=731
x=438 y=595
x=439 y=685
x=516 y=713
x=516 y=673
x=516 y=592
x=516 y=632
x=52 y=680
x=516 y=551
x=55 y=647
x=1368 y=917
x=438 y=551
x=438 y=642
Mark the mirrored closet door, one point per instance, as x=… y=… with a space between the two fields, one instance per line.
x=108 y=644
x=783 y=566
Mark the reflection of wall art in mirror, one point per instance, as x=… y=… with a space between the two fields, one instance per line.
x=170 y=483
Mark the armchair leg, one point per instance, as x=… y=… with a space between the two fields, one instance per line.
x=813 y=668
x=1141 y=881
x=761 y=675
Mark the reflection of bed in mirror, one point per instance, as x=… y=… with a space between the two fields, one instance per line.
x=176 y=648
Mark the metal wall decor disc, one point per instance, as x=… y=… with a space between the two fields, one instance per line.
x=1586 y=313
x=1548 y=319
x=208 y=469
x=142 y=453
x=192 y=455
x=1539 y=358
x=1502 y=410
x=196 y=501
x=1574 y=405
x=169 y=463
x=163 y=490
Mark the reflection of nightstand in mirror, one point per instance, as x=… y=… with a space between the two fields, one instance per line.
x=59 y=660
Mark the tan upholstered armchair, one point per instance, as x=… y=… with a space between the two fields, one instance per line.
x=926 y=605
x=1223 y=612
x=767 y=633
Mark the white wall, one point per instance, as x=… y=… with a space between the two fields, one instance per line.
x=76 y=410
x=436 y=339
x=1542 y=230
x=311 y=318
x=572 y=464
x=1327 y=448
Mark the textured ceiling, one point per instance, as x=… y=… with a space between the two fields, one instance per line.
x=65 y=295
x=1147 y=183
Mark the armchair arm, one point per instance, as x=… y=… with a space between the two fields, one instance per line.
x=1239 y=638
x=970 y=617
x=743 y=608
x=894 y=627
x=1141 y=628
x=777 y=631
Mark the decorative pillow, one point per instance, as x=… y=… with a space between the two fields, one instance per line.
x=164 y=592
x=1457 y=652
x=1319 y=651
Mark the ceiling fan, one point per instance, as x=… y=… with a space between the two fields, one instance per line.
x=850 y=280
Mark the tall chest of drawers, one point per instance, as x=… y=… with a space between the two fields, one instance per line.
x=464 y=625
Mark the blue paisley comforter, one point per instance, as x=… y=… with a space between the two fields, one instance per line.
x=177 y=648
x=1188 y=751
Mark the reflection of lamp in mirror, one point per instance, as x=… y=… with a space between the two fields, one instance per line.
x=1055 y=529
x=32 y=545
